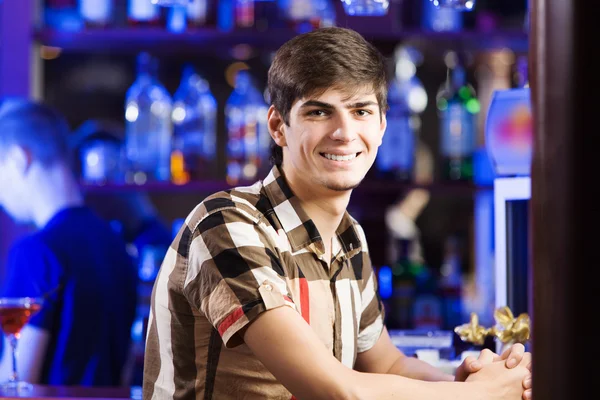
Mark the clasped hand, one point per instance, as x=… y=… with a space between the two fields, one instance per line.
x=512 y=356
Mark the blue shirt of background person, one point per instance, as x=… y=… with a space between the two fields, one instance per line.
x=82 y=334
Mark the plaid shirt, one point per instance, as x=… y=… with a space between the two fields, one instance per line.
x=240 y=253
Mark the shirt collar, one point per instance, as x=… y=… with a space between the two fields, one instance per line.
x=299 y=228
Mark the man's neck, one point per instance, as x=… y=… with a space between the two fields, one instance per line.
x=325 y=207
x=53 y=189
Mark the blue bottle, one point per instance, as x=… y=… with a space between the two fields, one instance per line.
x=194 y=119
x=366 y=7
x=248 y=139
x=148 y=126
x=406 y=99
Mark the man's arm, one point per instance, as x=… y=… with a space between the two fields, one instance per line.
x=289 y=348
x=31 y=349
x=385 y=358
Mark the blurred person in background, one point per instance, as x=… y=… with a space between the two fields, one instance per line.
x=130 y=212
x=74 y=260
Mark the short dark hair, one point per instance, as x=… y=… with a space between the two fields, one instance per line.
x=34 y=126
x=311 y=63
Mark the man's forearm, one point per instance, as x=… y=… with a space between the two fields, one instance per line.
x=414 y=368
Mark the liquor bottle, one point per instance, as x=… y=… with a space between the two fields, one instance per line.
x=197 y=13
x=194 y=128
x=96 y=13
x=62 y=15
x=440 y=19
x=406 y=99
x=451 y=284
x=144 y=13
x=248 y=139
x=366 y=7
x=148 y=130
x=458 y=107
x=427 y=306
x=306 y=15
x=403 y=287
x=244 y=13
x=460 y=5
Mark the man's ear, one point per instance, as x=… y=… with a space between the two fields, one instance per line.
x=20 y=158
x=382 y=128
x=276 y=126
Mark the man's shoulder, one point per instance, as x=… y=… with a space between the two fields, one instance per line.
x=248 y=200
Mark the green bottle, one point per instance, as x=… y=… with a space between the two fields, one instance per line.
x=457 y=108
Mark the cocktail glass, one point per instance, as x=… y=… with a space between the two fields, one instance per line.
x=15 y=312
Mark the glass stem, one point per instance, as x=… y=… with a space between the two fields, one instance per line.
x=13 y=344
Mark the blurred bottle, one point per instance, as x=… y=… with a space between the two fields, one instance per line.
x=62 y=15
x=144 y=13
x=427 y=307
x=406 y=99
x=306 y=15
x=522 y=72
x=366 y=7
x=100 y=161
x=235 y=14
x=440 y=19
x=96 y=13
x=403 y=287
x=244 y=13
x=194 y=119
x=197 y=13
x=458 y=107
x=248 y=140
x=460 y=5
x=176 y=18
x=149 y=263
x=148 y=129
x=451 y=284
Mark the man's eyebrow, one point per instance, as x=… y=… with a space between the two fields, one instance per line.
x=320 y=104
x=361 y=104
x=316 y=103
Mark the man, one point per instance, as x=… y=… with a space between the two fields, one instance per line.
x=140 y=223
x=74 y=260
x=268 y=290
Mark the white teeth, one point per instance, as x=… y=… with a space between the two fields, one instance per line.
x=339 y=158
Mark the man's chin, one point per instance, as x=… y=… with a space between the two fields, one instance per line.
x=342 y=186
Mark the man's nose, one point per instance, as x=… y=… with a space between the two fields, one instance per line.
x=345 y=129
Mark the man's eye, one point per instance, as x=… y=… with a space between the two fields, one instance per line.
x=363 y=113
x=317 y=113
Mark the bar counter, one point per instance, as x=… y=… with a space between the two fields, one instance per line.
x=72 y=392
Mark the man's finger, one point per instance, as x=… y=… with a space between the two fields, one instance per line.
x=472 y=364
x=516 y=355
x=486 y=356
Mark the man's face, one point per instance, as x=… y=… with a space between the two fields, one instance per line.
x=11 y=189
x=332 y=139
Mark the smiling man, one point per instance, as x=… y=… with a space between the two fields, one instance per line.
x=268 y=291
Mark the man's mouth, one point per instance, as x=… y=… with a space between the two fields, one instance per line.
x=339 y=157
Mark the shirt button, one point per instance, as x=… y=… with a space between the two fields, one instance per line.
x=268 y=287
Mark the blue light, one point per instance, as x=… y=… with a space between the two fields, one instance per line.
x=385 y=282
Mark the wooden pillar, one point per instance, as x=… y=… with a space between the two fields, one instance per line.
x=566 y=290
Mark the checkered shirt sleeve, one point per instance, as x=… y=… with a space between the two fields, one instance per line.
x=234 y=272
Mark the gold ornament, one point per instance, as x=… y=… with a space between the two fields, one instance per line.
x=472 y=332
x=508 y=329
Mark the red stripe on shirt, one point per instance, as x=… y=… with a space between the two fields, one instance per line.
x=304 y=300
x=230 y=320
